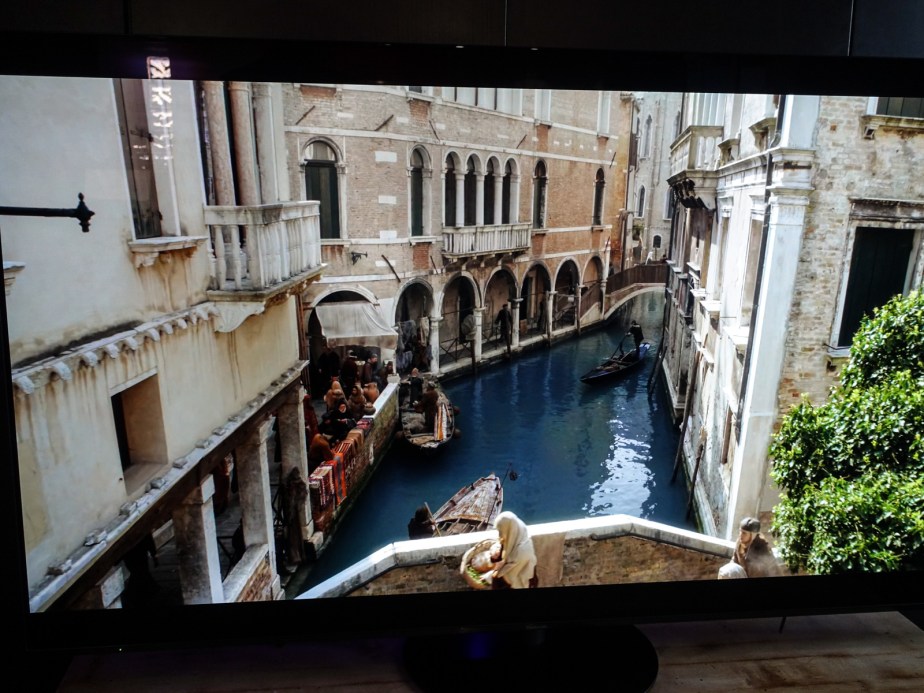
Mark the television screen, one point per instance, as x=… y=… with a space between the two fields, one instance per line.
x=379 y=346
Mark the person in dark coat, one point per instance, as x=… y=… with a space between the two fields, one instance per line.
x=504 y=320
x=328 y=366
x=636 y=331
x=370 y=370
x=338 y=422
x=416 y=387
x=429 y=404
x=349 y=372
x=421 y=525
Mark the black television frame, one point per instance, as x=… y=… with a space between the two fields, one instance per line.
x=869 y=58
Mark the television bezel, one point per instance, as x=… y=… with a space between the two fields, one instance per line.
x=96 y=55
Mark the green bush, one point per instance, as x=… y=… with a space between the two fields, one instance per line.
x=851 y=470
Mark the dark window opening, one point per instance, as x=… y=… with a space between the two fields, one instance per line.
x=416 y=194
x=449 y=195
x=599 y=185
x=901 y=106
x=878 y=268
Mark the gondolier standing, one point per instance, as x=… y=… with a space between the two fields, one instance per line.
x=636 y=331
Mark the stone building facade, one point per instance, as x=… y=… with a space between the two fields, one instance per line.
x=154 y=355
x=445 y=203
x=651 y=202
x=796 y=215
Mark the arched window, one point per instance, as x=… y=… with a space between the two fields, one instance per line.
x=449 y=193
x=505 y=192
x=656 y=241
x=540 y=190
x=471 y=192
x=489 y=195
x=417 y=196
x=646 y=148
x=640 y=212
x=321 y=185
x=599 y=185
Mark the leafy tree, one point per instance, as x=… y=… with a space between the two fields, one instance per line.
x=851 y=469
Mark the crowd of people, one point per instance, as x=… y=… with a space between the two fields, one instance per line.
x=353 y=385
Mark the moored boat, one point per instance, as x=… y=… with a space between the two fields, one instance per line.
x=472 y=508
x=616 y=365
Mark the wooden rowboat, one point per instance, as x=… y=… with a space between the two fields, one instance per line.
x=472 y=509
x=616 y=365
x=413 y=422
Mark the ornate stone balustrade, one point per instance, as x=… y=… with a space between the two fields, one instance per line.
x=485 y=240
x=254 y=248
x=697 y=149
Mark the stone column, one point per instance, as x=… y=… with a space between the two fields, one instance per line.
x=550 y=316
x=479 y=199
x=498 y=199
x=435 y=345
x=219 y=142
x=242 y=125
x=768 y=339
x=291 y=424
x=226 y=241
x=514 y=199
x=271 y=170
x=197 y=546
x=460 y=199
x=515 y=310
x=255 y=492
x=479 y=316
x=577 y=308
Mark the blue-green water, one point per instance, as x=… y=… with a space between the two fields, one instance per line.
x=578 y=450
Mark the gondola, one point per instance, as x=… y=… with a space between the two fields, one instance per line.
x=414 y=429
x=472 y=509
x=620 y=363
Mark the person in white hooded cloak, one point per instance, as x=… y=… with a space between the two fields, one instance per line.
x=517 y=567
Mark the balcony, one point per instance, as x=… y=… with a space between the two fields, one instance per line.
x=697 y=149
x=254 y=249
x=259 y=252
x=467 y=242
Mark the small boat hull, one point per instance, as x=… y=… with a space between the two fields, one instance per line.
x=616 y=366
x=472 y=508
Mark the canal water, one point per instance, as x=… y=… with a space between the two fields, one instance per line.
x=568 y=449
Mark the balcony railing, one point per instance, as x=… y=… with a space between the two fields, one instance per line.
x=697 y=149
x=254 y=248
x=485 y=240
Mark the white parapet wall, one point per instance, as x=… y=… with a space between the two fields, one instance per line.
x=607 y=549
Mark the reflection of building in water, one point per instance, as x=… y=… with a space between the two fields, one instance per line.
x=796 y=215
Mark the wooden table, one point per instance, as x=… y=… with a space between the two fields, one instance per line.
x=855 y=652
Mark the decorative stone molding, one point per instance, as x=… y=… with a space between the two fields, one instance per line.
x=10 y=271
x=148 y=250
x=230 y=315
x=64 y=366
x=871 y=123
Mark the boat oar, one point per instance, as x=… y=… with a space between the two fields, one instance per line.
x=430 y=515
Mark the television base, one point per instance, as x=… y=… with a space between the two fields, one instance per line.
x=569 y=658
